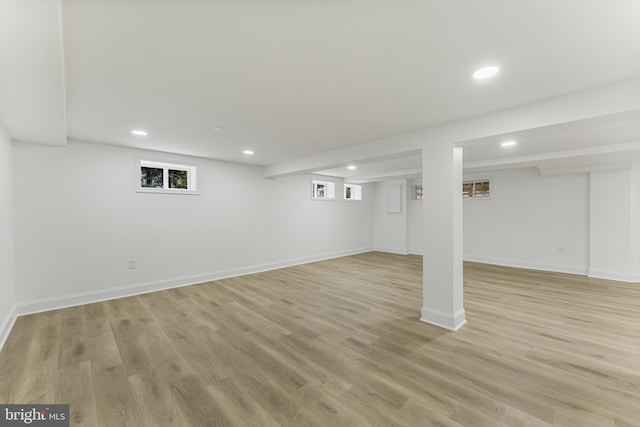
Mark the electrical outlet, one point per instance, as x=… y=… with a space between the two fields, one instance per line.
x=131 y=264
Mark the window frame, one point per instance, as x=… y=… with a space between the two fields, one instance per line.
x=474 y=194
x=355 y=189
x=330 y=188
x=418 y=192
x=166 y=185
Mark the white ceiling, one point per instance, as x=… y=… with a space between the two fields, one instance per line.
x=32 y=103
x=407 y=165
x=606 y=139
x=293 y=78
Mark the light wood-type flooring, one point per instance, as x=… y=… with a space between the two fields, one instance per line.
x=339 y=343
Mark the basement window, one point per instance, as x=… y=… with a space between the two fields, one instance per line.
x=323 y=190
x=352 y=192
x=476 y=189
x=169 y=178
x=419 y=193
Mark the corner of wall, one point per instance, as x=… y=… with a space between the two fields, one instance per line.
x=612 y=275
x=7 y=251
x=6 y=325
x=635 y=218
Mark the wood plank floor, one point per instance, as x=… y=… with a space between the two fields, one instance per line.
x=338 y=343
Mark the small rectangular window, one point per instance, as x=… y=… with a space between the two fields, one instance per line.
x=323 y=190
x=476 y=189
x=352 y=192
x=151 y=177
x=482 y=189
x=158 y=177
x=419 y=194
x=179 y=179
x=467 y=189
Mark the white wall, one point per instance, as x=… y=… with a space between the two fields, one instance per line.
x=611 y=225
x=7 y=298
x=78 y=219
x=635 y=219
x=415 y=238
x=576 y=223
x=389 y=229
x=530 y=221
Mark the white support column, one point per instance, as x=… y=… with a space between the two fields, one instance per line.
x=442 y=221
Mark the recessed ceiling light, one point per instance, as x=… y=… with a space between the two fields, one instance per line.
x=508 y=143
x=486 y=72
x=139 y=132
x=248 y=152
x=217 y=128
x=351 y=167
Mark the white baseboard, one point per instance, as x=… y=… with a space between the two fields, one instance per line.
x=47 y=304
x=611 y=275
x=6 y=325
x=450 y=321
x=399 y=251
x=529 y=265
